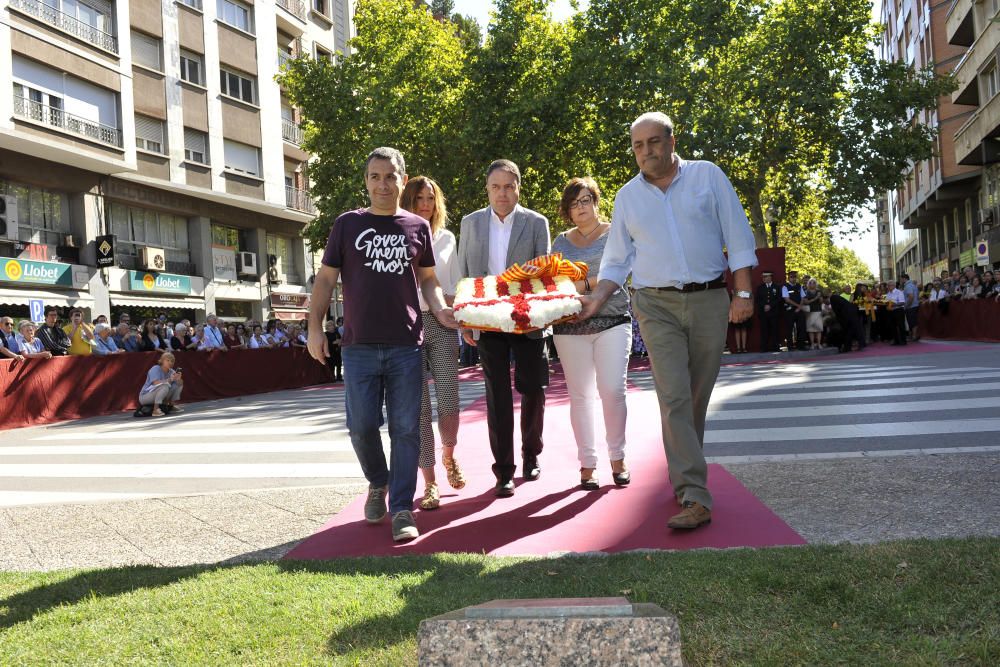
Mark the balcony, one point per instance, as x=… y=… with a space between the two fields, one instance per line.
x=88 y=129
x=283 y=59
x=296 y=8
x=291 y=132
x=70 y=24
x=959 y=26
x=299 y=200
x=975 y=141
x=974 y=61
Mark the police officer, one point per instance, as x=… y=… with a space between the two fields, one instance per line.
x=795 y=316
x=769 y=308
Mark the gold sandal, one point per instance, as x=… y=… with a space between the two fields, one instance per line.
x=431 y=499
x=455 y=476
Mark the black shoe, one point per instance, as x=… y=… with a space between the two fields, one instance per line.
x=592 y=484
x=532 y=470
x=504 y=489
x=622 y=478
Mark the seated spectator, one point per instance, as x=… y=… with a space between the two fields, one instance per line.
x=8 y=342
x=232 y=339
x=181 y=340
x=988 y=288
x=211 y=336
x=241 y=332
x=937 y=292
x=149 y=338
x=295 y=336
x=104 y=342
x=127 y=338
x=99 y=319
x=199 y=333
x=124 y=318
x=974 y=289
x=27 y=345
x=958 y=293
x=260 y=340
x=163 y=385
x=80 y=334
x=53 y=338
x=275 y=333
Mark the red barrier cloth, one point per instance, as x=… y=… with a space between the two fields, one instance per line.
x=977 y=320
x=42 y=391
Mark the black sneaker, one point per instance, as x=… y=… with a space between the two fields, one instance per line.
x=375 y=509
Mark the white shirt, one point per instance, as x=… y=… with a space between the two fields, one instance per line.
x=784 y=292
x=678 y=236
x=896 y=296
x=211 y=338
x=500 y=240
x=446 y=263
x=938 y=294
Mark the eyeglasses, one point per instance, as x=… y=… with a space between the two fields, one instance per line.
x=6 y=324
x=586 y=200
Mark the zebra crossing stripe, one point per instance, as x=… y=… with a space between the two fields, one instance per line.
x=840 y=431
x=800 y=396
x=182 y=470
x=861 y=454
x=718 y=414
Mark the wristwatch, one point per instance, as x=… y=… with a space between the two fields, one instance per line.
x=743 y=294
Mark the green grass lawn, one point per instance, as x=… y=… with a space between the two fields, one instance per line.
x=919 y=602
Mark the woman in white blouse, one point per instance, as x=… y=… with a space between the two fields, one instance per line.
x=424 y=197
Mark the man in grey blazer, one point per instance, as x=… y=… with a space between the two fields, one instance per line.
x=491 y=240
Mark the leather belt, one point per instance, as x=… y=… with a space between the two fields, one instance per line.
x=718 y=283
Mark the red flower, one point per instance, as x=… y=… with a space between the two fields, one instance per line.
x=480 y=288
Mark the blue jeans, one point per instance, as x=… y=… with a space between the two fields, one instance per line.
x=393 y=374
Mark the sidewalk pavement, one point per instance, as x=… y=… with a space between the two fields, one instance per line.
x=827 y=501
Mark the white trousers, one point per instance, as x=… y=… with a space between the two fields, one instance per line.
x=596 y=365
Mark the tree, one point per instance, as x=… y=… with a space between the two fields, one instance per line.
x=402 y=85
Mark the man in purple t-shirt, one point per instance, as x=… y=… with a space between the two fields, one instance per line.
x=383 y=255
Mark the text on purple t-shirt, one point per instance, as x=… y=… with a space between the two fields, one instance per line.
x=377 y=256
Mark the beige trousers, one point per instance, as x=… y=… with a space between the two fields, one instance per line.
x=684 y=335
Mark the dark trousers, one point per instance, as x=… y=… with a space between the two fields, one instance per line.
x=795 y=329
x=531 y=376
x=335 y=362
x=898 y=325
x=770 y=330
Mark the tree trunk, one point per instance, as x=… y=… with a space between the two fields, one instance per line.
x=757 y=222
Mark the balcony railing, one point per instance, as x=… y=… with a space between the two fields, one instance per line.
x=291 y=132
x=43 y=113
x=298 y=200
x=296 y=8
x=70 y=24
x=284 y=58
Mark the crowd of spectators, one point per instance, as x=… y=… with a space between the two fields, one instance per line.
x=76 y=337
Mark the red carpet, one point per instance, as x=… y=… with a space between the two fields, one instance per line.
x=551 y=515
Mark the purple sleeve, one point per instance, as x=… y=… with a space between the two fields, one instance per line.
x=333 y=256
x=427 y=255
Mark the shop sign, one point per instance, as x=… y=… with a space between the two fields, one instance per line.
x=105 y=250
x=42 y=273
x=966 y=258
x=38 y=252
x=982 y=254
x=224 y=262
x=289 y=300
x=147 y=281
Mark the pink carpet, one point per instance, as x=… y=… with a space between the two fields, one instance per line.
x=552 y=515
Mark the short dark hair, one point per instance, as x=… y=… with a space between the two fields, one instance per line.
x=504 y=165
x=905 y=276
x=573 y=189
x=51 y=309
x=390 y=154
x=74 y=311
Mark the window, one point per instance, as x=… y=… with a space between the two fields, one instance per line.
x=235 y=14
x=991 y=82
x=146 y=51
x=228 y=236
x=322 y=54
x=38 y=105
x=192 y=68
x=281 y=248
x=149 y=134
x=195 y=146
x=320 y=7
x=238 y=86
x=139 y=227
x=242 y=158
x=42 y=215
x=191 y=3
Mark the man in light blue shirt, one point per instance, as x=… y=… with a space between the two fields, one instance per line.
x=672 y=227
x=912 y=295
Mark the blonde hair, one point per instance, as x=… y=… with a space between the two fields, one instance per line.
x=167 y=356
x=409 y=200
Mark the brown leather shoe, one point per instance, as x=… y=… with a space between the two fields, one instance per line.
x=693 y=515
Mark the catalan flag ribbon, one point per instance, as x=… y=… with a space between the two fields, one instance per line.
x=546 y=266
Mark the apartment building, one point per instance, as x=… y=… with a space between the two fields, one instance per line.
x=938 y=217
x=149 y=162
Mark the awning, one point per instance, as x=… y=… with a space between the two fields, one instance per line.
x=21 y=297
x=157 y=302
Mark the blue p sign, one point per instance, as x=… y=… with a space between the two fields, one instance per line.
x=37 y=310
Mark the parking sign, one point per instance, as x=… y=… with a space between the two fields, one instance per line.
x=37 y=310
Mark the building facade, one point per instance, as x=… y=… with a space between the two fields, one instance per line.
x=941 y=214
x=149 y=161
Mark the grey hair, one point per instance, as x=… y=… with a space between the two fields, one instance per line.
x=504 y=165
x=24 y=323
x=658 y=117
x=101 y=326
x=390 y=154
x=180 y=328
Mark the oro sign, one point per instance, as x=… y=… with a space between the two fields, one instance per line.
x=982 y=253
